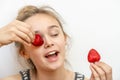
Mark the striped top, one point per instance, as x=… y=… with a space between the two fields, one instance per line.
x=26 y=75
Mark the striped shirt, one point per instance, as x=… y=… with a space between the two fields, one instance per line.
x=26 y=75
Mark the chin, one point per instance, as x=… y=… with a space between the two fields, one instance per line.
x=56 y=66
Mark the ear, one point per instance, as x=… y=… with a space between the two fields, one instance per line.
x=24 y=54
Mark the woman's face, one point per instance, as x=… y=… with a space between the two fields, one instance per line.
x=51 y=54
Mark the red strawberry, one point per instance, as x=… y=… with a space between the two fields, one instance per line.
x=93 y=56
x=38 y=41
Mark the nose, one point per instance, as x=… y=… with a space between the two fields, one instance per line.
x=48 y=42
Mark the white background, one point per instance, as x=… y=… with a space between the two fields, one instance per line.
x=90 y=23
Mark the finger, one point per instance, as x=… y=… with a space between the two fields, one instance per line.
x=107 y=69
x=95 y=74
x=24 y=28
x=22 y=23
x=25 y=25
x=99 y=70
x=92 y=77
x=22 y=41
x=26 y=31
x=23 y=36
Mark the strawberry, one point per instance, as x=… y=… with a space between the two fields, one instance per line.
x=93 y=56
x=38 y=41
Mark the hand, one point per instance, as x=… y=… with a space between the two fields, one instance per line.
x=100 y=71
x=16 y=31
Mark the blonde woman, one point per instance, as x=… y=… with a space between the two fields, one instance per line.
x=46 y=62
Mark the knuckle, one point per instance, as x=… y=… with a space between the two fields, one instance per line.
x=26 y=25
x=12 y=29
x=12 y=32
x=109 y=71
x=26 y=37
x=102 y=73
x=14 y=37
x=96 y=76
x=28 y=31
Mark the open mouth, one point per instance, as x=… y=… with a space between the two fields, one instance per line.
x=52 y=56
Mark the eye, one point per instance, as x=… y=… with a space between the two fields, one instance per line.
x=54 y=32
x=55 y=35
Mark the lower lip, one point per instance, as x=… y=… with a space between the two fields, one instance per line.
x=53 y=58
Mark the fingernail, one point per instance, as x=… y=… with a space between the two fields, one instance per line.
x=91 y=64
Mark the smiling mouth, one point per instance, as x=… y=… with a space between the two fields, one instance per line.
x=52 y=54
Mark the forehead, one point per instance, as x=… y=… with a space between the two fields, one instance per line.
x=42 y=21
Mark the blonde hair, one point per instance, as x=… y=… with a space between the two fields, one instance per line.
x=29 y=11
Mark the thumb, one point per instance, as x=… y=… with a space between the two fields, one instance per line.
x=92 y=77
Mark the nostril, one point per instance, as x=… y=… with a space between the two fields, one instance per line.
x=52 y=44
x=48 y=45
x=48 y=42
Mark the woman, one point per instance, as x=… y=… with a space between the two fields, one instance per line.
x=46 y=62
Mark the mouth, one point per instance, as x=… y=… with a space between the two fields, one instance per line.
x=52 y=56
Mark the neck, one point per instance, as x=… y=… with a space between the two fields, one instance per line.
x=59 y=74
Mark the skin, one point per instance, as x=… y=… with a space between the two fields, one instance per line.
x=54 y=40
x=16 y=31
x=100 y=71
x=53 y=37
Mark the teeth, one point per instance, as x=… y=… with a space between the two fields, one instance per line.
x=51 y=53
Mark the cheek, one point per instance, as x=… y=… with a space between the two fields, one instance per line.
x=62 y=45
x=62 y=40
x=36 y=57
x=34 y=53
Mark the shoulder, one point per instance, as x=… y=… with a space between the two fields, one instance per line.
x=13 y=77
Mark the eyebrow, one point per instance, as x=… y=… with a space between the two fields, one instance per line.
x=50 y=27
x=53 y=26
